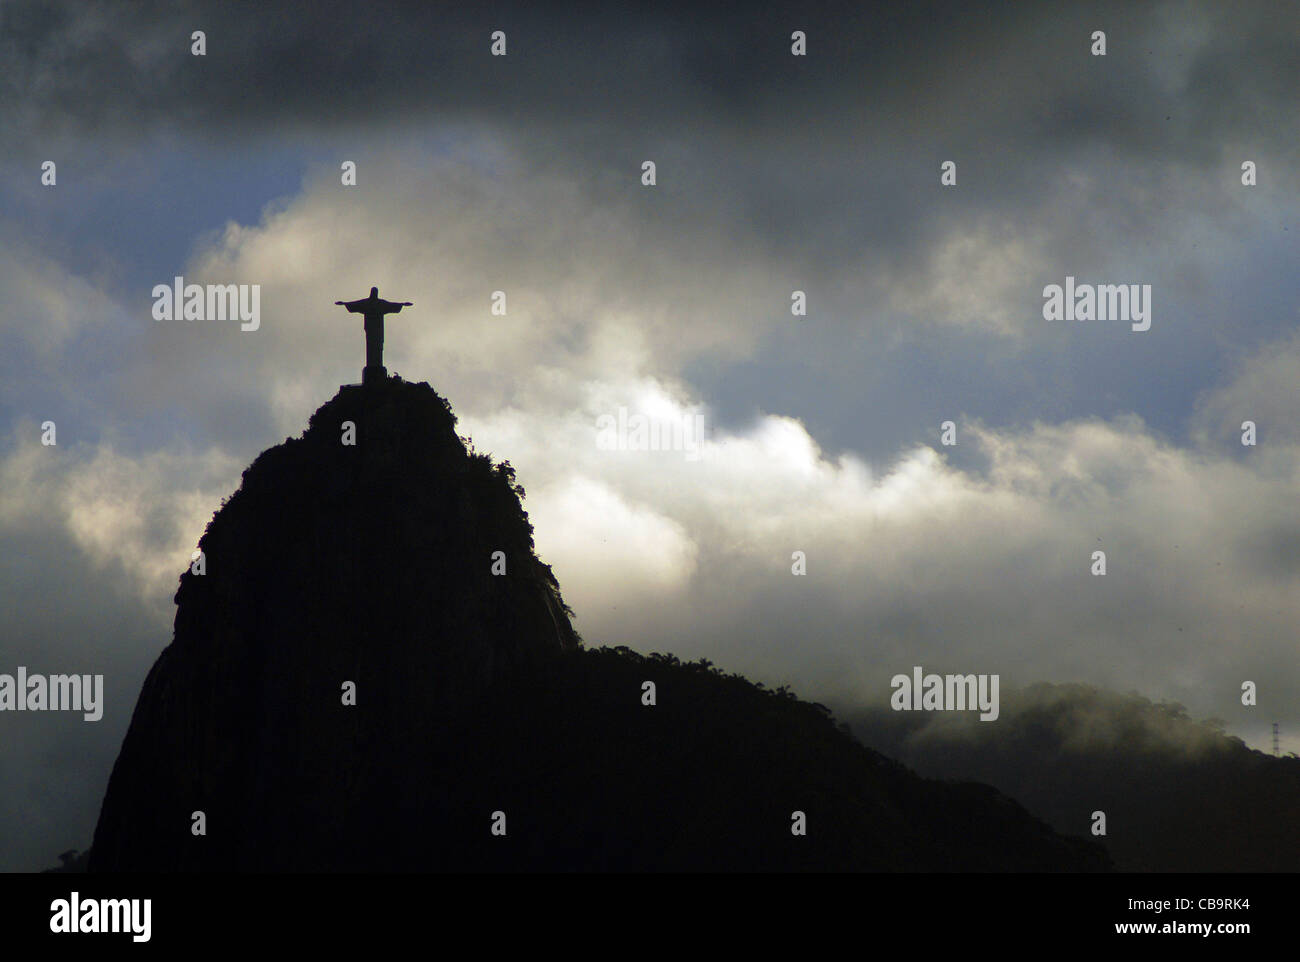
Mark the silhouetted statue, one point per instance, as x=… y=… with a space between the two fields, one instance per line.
x=374 y=309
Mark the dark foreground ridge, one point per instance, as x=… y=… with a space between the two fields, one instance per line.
x=372 y=563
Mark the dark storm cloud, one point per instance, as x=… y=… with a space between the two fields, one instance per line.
x=831 y=158
x=913 y=69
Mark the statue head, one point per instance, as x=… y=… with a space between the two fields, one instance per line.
x=374 y=292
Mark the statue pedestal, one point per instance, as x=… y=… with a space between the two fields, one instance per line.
x=373 y=374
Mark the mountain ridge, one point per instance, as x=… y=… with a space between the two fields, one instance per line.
x=483 y=734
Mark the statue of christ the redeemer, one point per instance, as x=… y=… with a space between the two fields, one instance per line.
x=373 y=309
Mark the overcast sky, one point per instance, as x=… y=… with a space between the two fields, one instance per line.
x=775 y=173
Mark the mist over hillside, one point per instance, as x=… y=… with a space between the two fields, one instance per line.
x=1178 y=794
